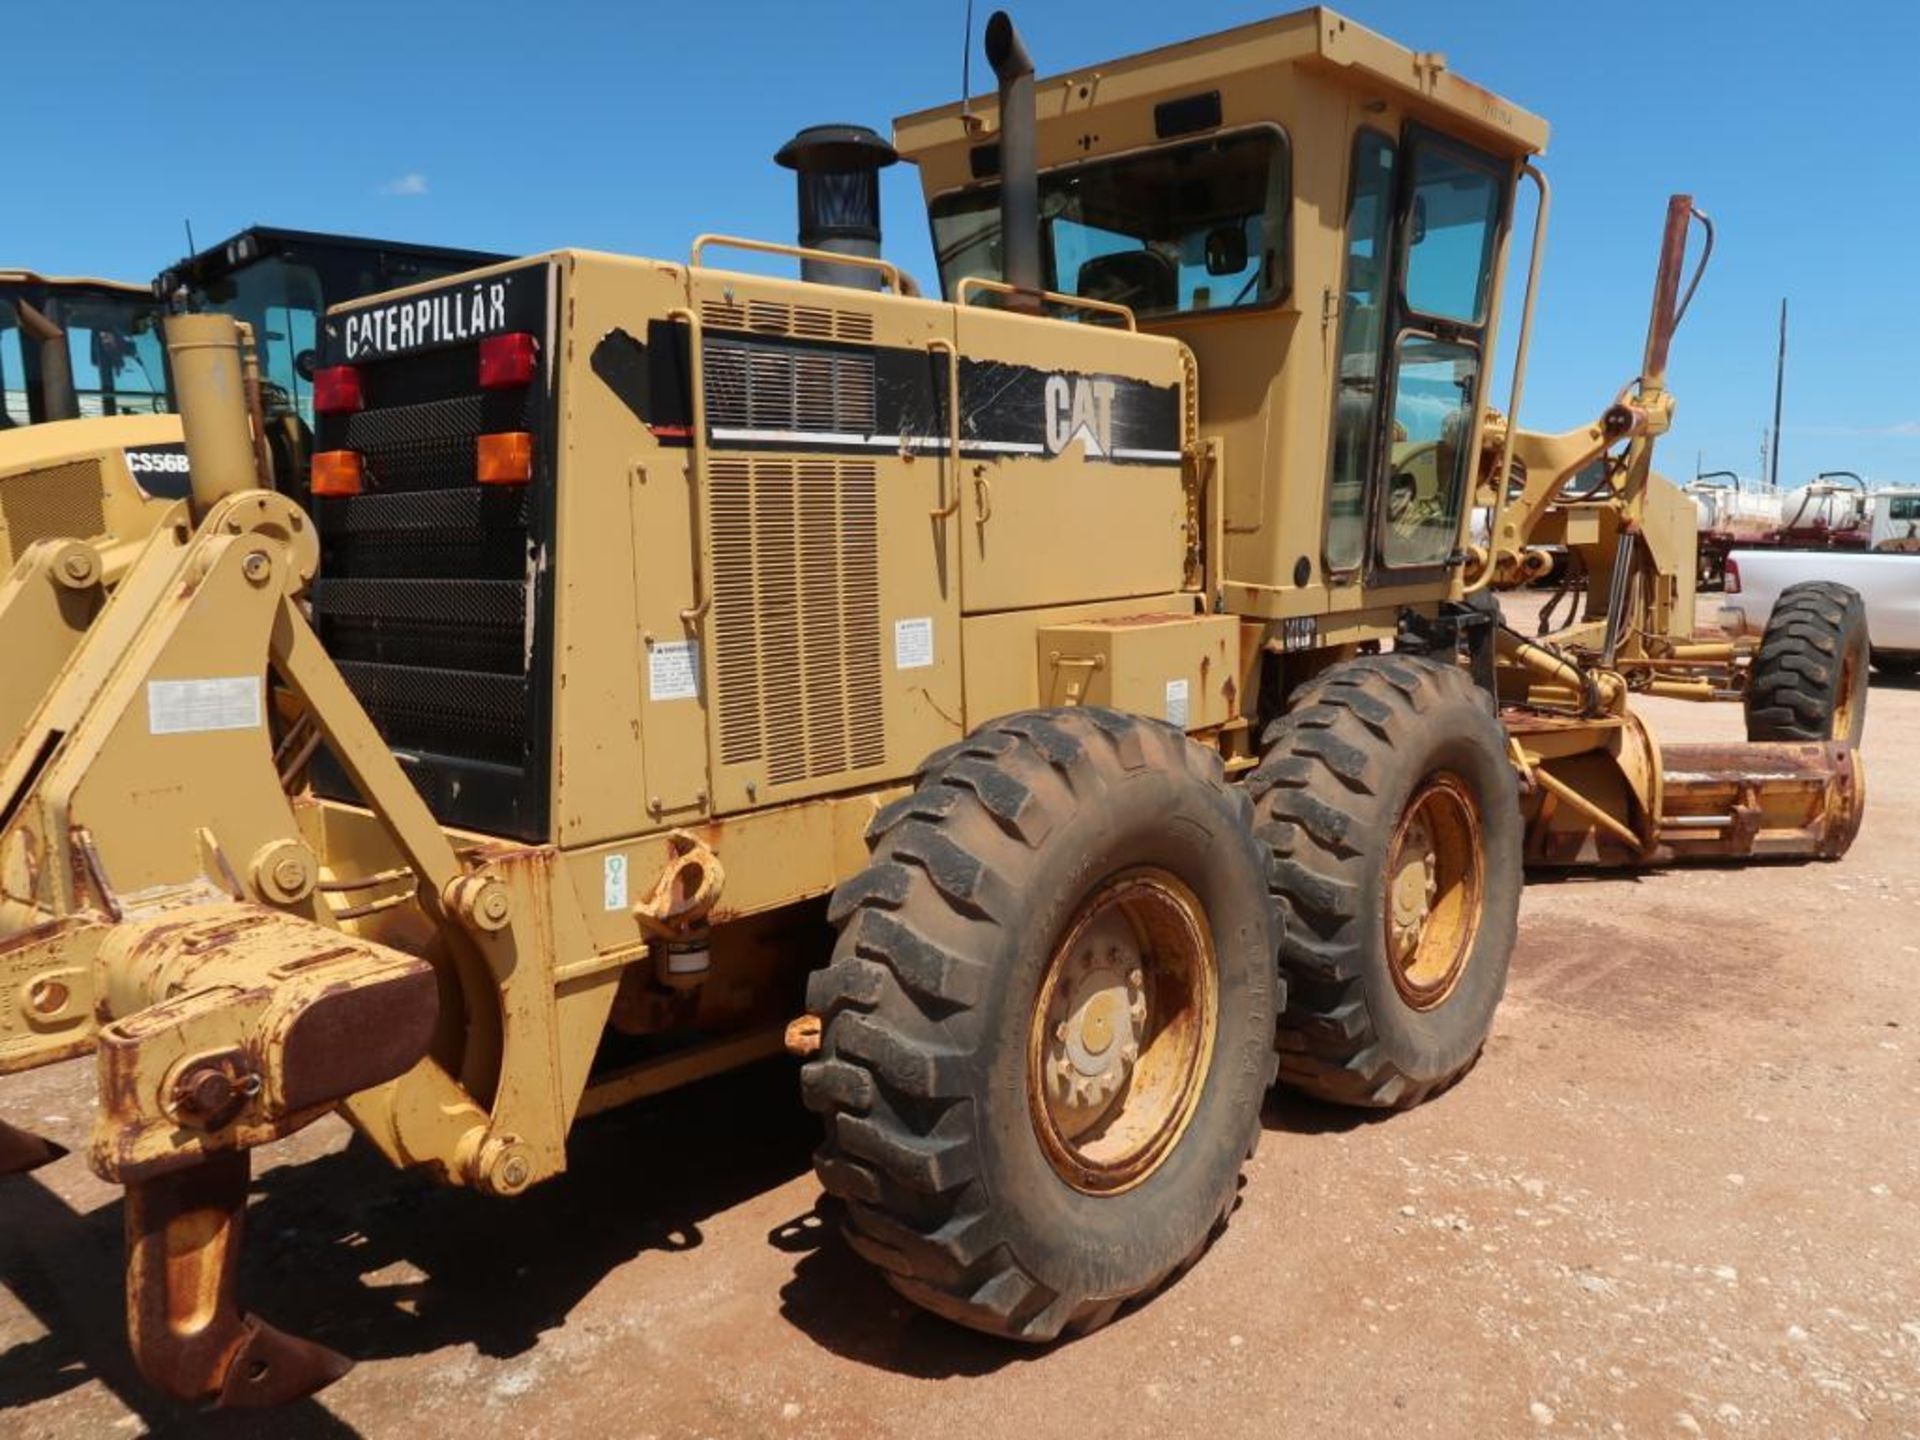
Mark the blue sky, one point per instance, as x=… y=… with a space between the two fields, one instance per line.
x=632 y=127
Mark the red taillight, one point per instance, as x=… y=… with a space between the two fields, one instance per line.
x=336 y=473
x=506 y=361
x=336 y=390
x=1733 y=577
x=504 y=459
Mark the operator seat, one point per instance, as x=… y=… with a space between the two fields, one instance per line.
x=1142 y=280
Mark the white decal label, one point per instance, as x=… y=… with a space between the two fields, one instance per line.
x=1177 y=709
x=673 y=671
x=913 y=643
x=424 y=320
x=188 y=707
x=614 y=872
x=156 y=462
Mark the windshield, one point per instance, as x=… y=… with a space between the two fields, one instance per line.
x=282 y=301
x=115 y=354
x=1171 y=231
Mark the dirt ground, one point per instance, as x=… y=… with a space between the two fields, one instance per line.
x=1679 y=1196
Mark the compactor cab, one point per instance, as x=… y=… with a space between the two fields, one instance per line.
x=74 y=347
x=1097 y=652
x=86 y=359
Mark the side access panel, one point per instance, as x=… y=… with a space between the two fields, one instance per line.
x=1070 y=463
x=829 y=651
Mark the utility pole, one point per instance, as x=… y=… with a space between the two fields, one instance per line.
x=1779 y=389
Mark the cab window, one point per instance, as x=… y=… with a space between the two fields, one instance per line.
x=282 y=300
x=1434 y=388
x=117 y=354
x=14 y=409
x=1453 y=224
x=1450 y=226
x=1356 y=403
x=1171 y=231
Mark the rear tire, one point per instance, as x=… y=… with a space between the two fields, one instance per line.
x=1394 y=962
x=1809 y=676
x=994 y=1181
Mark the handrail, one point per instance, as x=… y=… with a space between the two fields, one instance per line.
x=951 y=472
x=1000 y=287
x=1501 y=479
x=901 y=284
x=697 y=442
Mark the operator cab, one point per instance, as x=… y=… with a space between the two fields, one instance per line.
x=280 y=282
x=1322 y=217
x=77 y=348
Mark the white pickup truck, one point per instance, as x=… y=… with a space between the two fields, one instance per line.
x=1888 y=584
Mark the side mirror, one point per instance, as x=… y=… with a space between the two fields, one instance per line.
x=1227 y=250
x=303 y=364
x=1418 y=223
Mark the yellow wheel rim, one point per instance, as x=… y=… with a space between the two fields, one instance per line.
x=1848 y=697
x=1436 y=880
x=1121 y=1037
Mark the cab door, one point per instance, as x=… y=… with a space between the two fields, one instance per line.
x=1425 y=219
x=1453 y=203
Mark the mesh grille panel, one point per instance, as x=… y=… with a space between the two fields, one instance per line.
x=474 y=715
x=796 y=615
x=750 y=387
x=453 y=624
x=429 y=444
x=478 y=531
x=61 y=502
x=773 y=317
x=429 y=596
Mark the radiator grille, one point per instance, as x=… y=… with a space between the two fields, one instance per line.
x=433 y=589
x=773 y=317
x=797 y=616
x=754 y=387
x=61 y=502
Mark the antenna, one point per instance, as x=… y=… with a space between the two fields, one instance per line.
x=1779 y=389
x=966 y=68
x=192 y=249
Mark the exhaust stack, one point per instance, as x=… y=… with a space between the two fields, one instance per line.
x=204 y=352
x=1019 y=177
x=838 y=177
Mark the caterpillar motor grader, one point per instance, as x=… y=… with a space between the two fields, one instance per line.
x=1099 y=649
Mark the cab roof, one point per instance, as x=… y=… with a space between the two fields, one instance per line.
x=260 y=241
x=12 y=276
x=1319 y=37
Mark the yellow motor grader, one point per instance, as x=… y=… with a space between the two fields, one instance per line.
x=1102 y=649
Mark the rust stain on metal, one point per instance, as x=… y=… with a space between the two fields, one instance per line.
x=190 y=1336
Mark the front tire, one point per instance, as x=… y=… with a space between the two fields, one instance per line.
x=1809 y=676
x=1392 y=811
x=1047 y=1024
